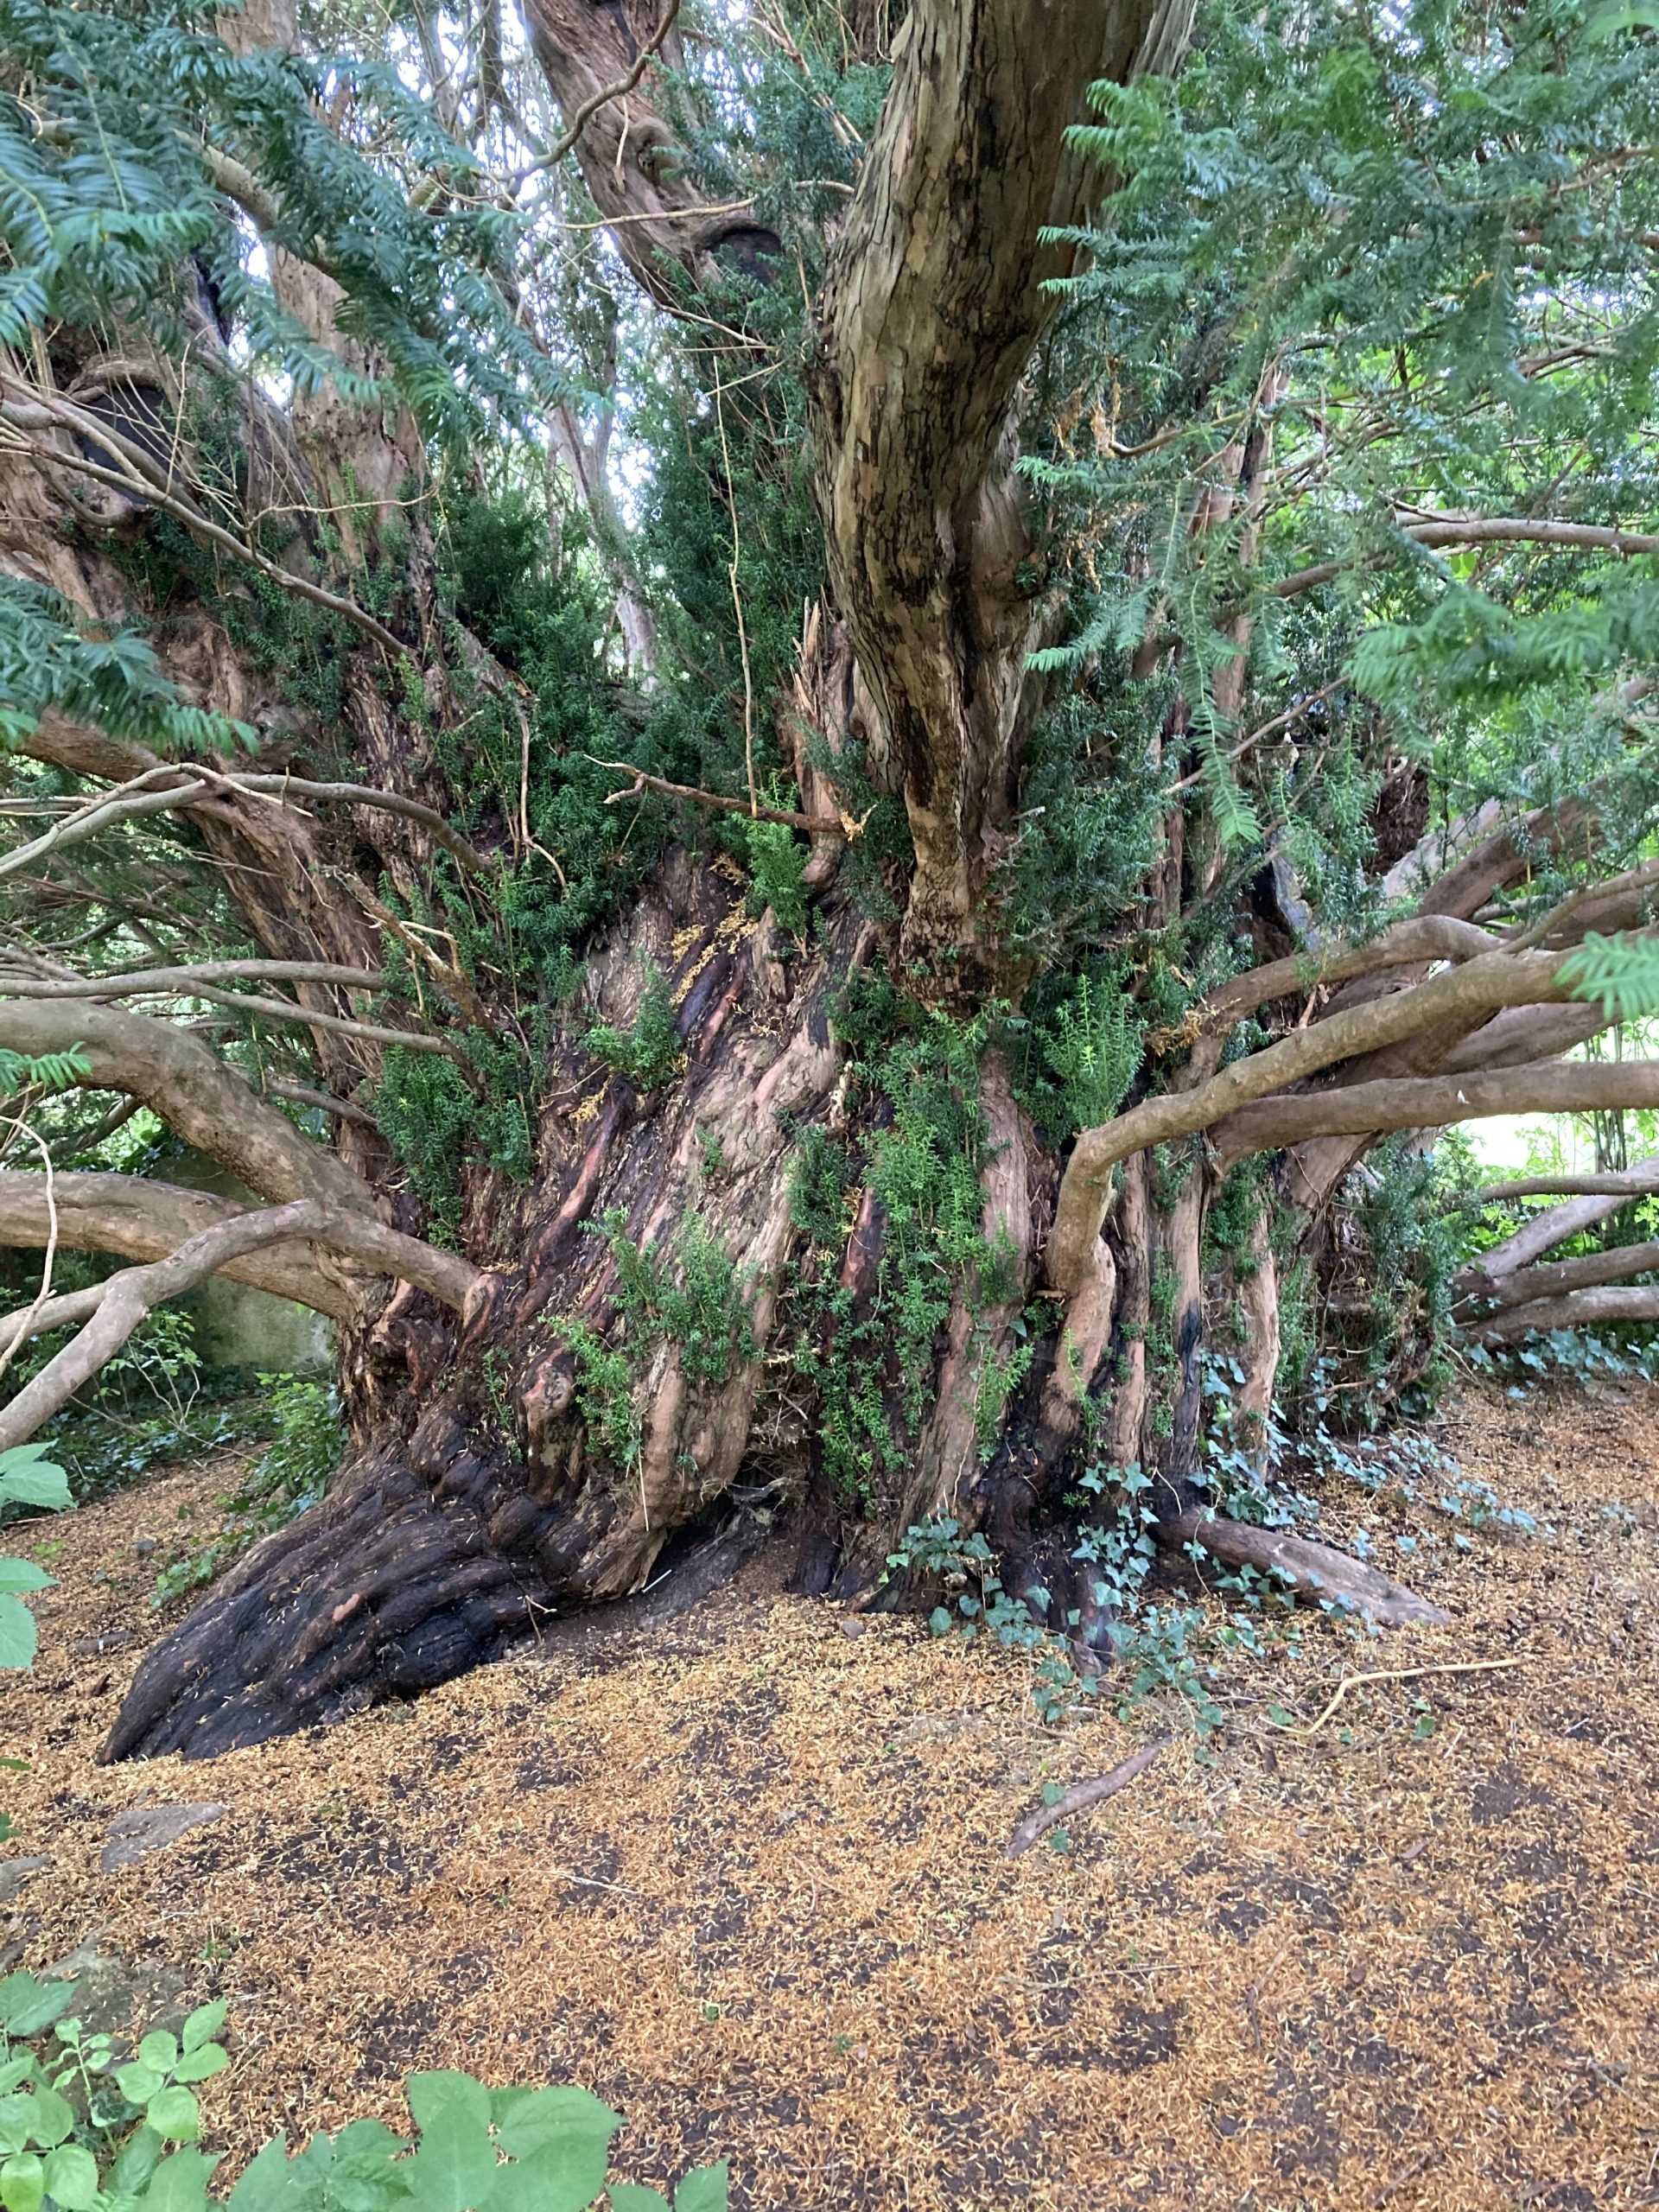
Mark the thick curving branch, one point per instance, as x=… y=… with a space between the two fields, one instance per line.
x=1436 y=1102
x=1609 y=1306
x=1492 y=980
x=141 y=1220
x=198 y=1097
x=131 y=1295
x=1557 y=1278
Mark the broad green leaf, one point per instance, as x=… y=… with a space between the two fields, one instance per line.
x=203 y=2024
x=135 y=2162
x=180 y=2183
x=633 y=2197
x=23 y=2183
x=159 y=2050
x=528 y=2120
x=19 y=1638
x=20 y=1574
x=456 y=2167
x=201 y=2065
x=438 y=2098
x=14 y=2115
x=72 y=2177
x=51 y=2118
x=138 y=2084
x=269 y=2181
x=27 y=2006
x=703 y=2190
x=38 y=1483
x=365 y=2179
x=175 y=2115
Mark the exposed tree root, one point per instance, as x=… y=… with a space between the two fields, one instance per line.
x=1314 y=1570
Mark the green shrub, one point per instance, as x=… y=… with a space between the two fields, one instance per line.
x=30 y=1480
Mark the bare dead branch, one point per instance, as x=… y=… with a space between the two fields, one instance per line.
x=590 y=107
x=139 y=476
x=1539 y=1235
x=814 y=826
x=301 y=1094
x=1314 y=1570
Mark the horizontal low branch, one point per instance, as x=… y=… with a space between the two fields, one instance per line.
x=1615 y=1303
x=139 y=1219
x=1557 y=1278
x=1539 y=1233
x=135 y=1292
x=1444 y=533
x=1314 y=1570
x=1617 y=1183
x=185 y=982
x=1493 y=980
x=1438 y=1101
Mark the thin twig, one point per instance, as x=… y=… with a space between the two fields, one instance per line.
x=1081 y=1797
x=737 y=599
x=1391 y=1675
x=816 y=825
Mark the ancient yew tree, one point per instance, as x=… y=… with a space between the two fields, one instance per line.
x=818 y=736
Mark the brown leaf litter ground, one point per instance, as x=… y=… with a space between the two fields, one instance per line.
x=748 y=1884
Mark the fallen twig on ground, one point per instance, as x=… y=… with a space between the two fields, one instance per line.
x=1391 y=1675
x=1081 y=1797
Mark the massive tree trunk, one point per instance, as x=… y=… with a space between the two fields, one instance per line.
x=741 y=1240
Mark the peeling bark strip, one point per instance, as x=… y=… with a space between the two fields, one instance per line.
x=932 y=306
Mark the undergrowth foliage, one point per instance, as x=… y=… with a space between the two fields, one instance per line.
x=84 y=2129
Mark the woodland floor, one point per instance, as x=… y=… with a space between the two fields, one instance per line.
x=1377 y=1967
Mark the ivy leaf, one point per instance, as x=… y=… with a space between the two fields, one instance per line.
x=456 y=2167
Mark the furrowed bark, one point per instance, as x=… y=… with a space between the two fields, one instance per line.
x=932 y=309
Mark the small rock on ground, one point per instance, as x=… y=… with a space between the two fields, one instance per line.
x=151 y=1828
